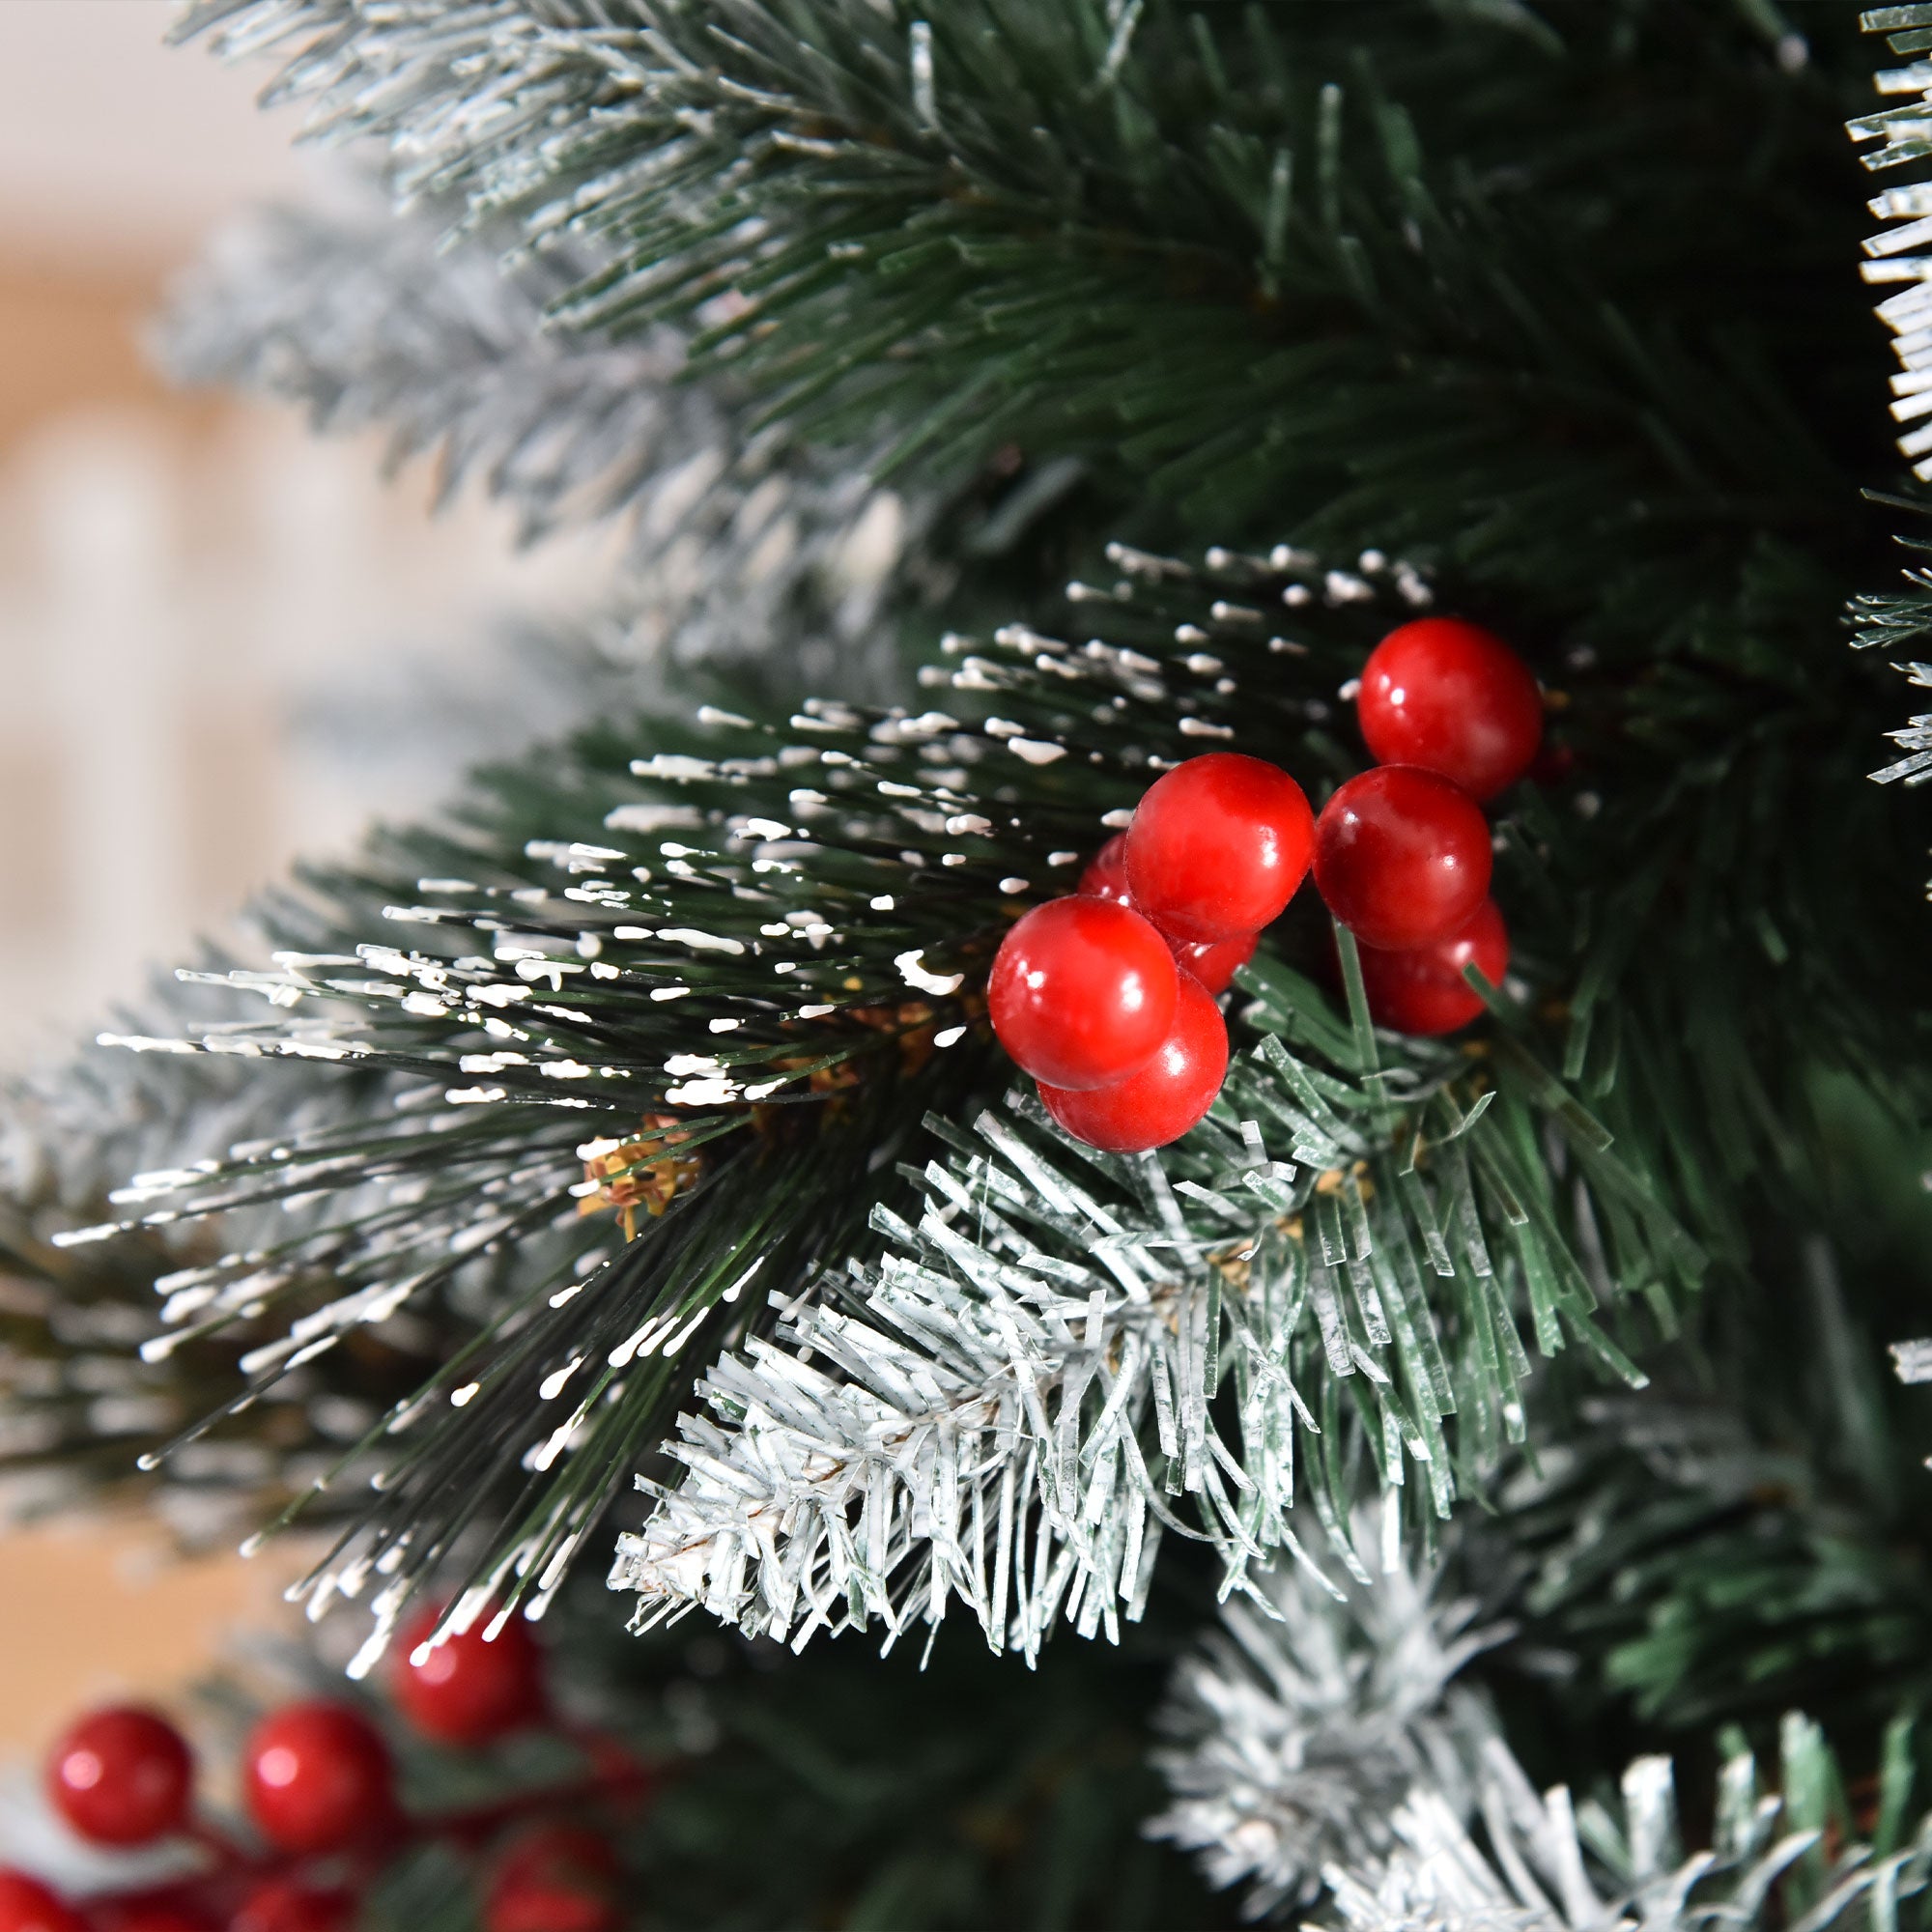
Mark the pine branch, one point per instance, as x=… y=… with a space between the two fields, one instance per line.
x=987 y=1380
x=1298 y=1727
x=994 y=1378
x=1742 y=1536
x=1336 y=1745
x=1525 y=399
x=747 y=1535
x=1889 y=260
x=360 y=318
x=1393 y=322
x=739 y=538
x=1394 y=325
x=1780 y=1857
x=612 y=994
x=80 y=1404
x=1887 y=621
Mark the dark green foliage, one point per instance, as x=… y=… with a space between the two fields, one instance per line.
x=967 y=1794
x=1721 y=1551
x=1748 y=1535
x=1560 y=294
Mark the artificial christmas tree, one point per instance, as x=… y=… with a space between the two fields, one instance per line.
x=627 y=1181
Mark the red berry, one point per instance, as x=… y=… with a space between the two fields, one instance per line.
x=1161 y=1100
x=1218 y=846
x=26 y=1904
x=556 y=1878
x=1449 y=698
x=1106 y=873
x=122 y=1777
x=1213 y=961
x=281 y=1905
x=317 y=1777
x=1424 y=990
x=1082 y=991
x=1402 y=857
x=468 y=1691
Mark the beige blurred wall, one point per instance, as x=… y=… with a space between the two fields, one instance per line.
x=97 y=1611
x=88 y=1610
x=176 y=577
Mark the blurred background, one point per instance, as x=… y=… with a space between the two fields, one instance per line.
x=223 y=641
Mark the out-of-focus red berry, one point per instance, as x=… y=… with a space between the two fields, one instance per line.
x=122 y=1777
x=317 y=1777
x=468 y=1691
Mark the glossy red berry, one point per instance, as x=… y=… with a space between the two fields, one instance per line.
x=281 y=1905
x=26 y=1904
x=1160 y=1101
x=1106 y=873
x=1082 y=991
x=1451 y=698
x=556 y=1878
x=122 y=1777
x=1213 y=961
x=1403 y=857
x=1424 y=990
x=469 y=1689
x=317 y=1777
x=1218 y=846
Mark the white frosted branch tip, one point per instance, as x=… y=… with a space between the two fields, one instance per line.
x=912 y=970
x=1912 y=1361
x=703 y=1094
x=700 y=941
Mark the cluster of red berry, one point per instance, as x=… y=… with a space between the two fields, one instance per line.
x=1107 y=997
x=1402 y=853
x=318 y=1786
